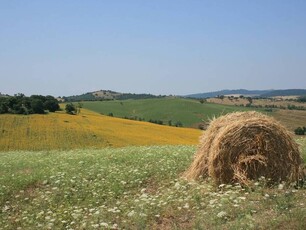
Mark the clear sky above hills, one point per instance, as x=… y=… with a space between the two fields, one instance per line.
x=161 y=47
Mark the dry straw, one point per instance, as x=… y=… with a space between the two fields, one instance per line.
x=245 y=146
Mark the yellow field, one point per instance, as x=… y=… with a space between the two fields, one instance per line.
x=88 y=129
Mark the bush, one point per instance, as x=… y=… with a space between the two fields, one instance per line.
x=302 y=99
x=300 y=131
x=178 y=124
x=71 y=109
x=202 y=126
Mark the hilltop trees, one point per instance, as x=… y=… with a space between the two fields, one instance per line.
x=35 y=104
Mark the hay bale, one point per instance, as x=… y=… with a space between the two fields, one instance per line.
x=244 y=146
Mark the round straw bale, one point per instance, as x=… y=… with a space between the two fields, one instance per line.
x=244 y=146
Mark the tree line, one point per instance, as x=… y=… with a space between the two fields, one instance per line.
x=35 y=104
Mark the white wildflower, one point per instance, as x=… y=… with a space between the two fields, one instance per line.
x=221 y=214
x=280 y=186
x=131 y=213
x=144 y=196
x=115 y=226
x=177 y=185
x=103 y=224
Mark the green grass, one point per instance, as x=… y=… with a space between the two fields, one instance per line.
x=188 y=111
x=133 y=188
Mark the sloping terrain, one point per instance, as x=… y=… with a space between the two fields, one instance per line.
x=191 y=112
x=251 y=93
x=188 y=111
x=87 y=129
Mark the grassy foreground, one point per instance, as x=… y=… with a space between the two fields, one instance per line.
x=85 y=130
x=134 y=188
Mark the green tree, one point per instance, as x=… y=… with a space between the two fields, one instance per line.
x=51 y=104
x=250 y=100
x=302 y=99
x=71 y=109
x=202 y=100
x=3 y=105
x=299 y=131
x=178 y=124
x=37 y=106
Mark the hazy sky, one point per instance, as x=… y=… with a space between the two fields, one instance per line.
x=63 y=47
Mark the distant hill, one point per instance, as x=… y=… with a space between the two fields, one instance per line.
x=285 y=92
x=104 y=95
x=251 y=93
x=229 y=92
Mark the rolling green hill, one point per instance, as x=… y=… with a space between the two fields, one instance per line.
x=189 y=112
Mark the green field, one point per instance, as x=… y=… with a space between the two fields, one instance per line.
x=134 y=188
x=189 y=112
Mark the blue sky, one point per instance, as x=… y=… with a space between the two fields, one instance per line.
x=177 y=47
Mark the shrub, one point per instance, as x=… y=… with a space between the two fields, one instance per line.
x=178 y=124
x=71 y=109
x=300 y=131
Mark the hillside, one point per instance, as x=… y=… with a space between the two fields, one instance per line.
x=88 y=129
x=285 y=92
x=251 y=93
x=188 y=111
x=229 y=92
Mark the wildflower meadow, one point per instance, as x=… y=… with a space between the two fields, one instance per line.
x=134 y=188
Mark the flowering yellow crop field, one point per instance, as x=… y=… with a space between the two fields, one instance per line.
x=87 y=129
